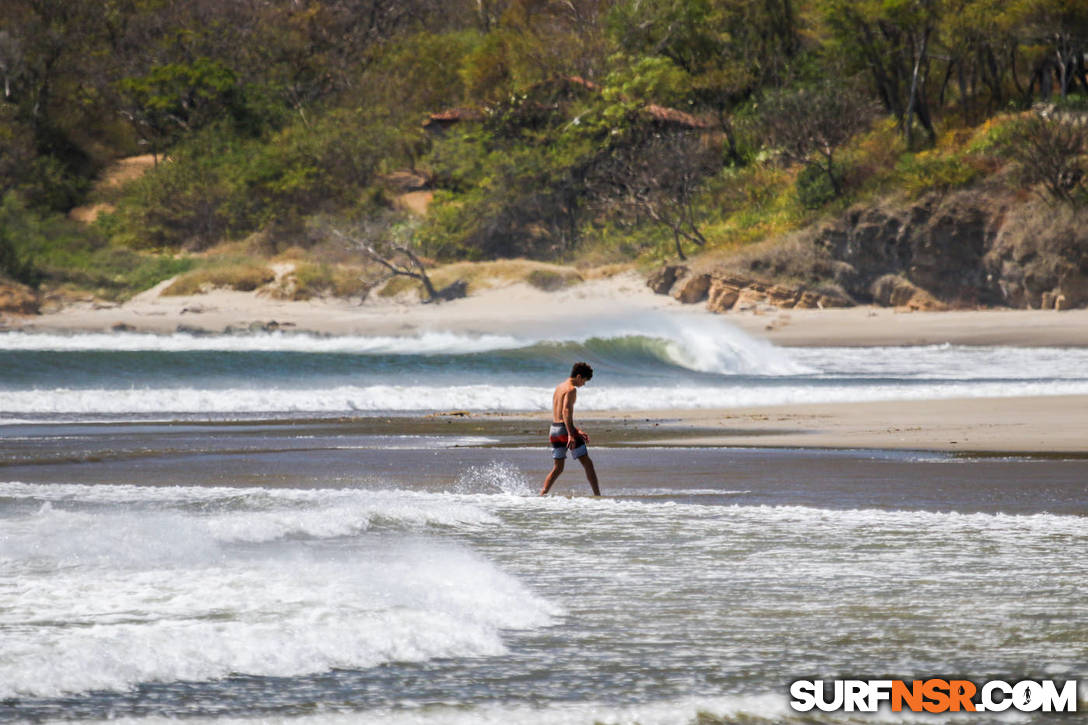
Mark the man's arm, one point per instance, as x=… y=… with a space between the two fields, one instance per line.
x=568 y=416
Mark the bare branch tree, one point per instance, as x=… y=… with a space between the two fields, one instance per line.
x=1051 y=152
x=817 y=120
x=375 y=241
x=659 y=178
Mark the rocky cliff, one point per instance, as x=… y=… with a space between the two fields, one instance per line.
x=965 y=250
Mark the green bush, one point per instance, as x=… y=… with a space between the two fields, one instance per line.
x=933 y=171
x=550 y=280
x=220 y=186
x=814 y=188
x=18 y=229
x=38 y=249
x=995 y=137
x=1072 y=102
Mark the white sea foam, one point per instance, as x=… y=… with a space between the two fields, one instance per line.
x=112 y=628
x=225 y=515
x=428 y=343
x=105 y=587
x=108 y=597
x=494 y=477
x=947 y=362
x=346 y=399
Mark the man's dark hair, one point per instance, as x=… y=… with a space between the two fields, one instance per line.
x=583 y=369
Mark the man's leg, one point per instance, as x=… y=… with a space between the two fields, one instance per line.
x=556 y=470
x=591 y=474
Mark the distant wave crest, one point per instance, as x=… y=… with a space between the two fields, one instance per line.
x=701 y=344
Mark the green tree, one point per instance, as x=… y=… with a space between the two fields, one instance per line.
x=175 y=99
x=978 y=38
x=727 y=51
x=17 y=228
x=1060 y=26
x=891 y=40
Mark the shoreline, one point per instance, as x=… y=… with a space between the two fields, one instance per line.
x=1041 y=426
x=1035 y=426
x=519 y=307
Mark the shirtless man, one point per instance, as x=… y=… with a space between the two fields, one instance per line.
x=564 y=435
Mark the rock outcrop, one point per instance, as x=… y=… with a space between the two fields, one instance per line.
x=663 y=279
x=891 y=290
x=692 y=289
x=964 y=250
x=1039 y=259
x=724 y=291
x=936 y=246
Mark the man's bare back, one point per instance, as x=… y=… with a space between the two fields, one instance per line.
x=564 y=435
x=563 y=400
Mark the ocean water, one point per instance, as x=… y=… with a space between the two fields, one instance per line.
x=258 y=528
x=651 y=361
x=427 y=584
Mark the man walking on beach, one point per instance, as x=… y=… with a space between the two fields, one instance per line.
x=564 y=435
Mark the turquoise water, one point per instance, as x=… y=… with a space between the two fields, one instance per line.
x=647 y=364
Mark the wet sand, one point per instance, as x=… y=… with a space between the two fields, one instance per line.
x=1037 y=425
x=504 y=454
x=1041 y=425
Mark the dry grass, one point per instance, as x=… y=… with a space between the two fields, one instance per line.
x=309 y=280
x=396 y=286
x=488 y=275
x=606 y=271
x=244 y=276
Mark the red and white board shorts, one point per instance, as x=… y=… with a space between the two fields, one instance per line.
x=558 y=437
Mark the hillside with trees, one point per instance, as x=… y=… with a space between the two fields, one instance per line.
x=745 y=133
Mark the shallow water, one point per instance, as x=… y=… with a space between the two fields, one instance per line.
x=323 y=571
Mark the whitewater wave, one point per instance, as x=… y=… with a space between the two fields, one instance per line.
x=124 y=585
x=423 y=344
x=701 y=344
x=143 y=403
x=759 y=709
x=299 y=614
x=177 y=524
x=121 y=585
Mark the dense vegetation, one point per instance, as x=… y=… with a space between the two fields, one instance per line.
x=582 y=129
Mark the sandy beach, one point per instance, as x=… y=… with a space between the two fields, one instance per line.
x=1043 y=424
x=517 y=306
